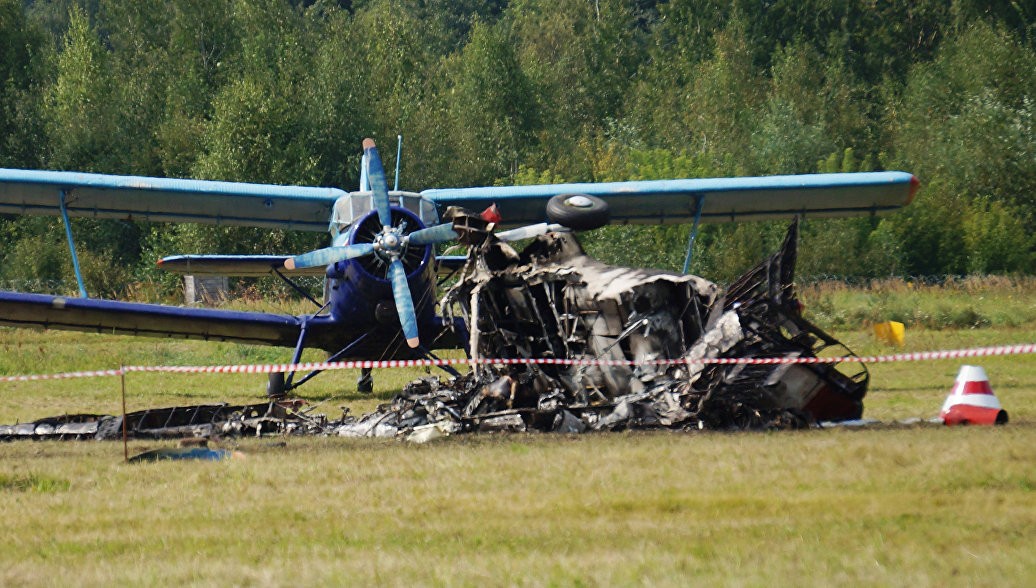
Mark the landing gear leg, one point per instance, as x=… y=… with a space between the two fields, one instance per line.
x=365 y=383
x=278 y=382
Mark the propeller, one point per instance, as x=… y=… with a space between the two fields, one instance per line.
x=390 y=244
x=328 y=255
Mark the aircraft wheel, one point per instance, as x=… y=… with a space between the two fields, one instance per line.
x=579 y=212
x=275 y=386
x=365 y=383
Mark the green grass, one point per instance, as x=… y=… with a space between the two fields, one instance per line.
x=882 y=507
x=893 y=505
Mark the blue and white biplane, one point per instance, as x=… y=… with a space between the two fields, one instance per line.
x=380 y=266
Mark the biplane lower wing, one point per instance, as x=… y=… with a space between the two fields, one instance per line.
x=245 y=266
x=154 y=320
x=257 y=266
x=709 y=199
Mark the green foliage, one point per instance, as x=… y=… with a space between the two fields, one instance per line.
x=376 y=76
x=845 y=162
x=815 y=107
x=659 y=247
x=997 y=238
x=202 y=38
x=527 y=176
x=661 y=164
x=712 y=106
x=453 y=18
x=24 y=59
x=580 y=58
x=258 y=135
x=877 y=40
x=726 y=251
x=262 y=125
x=37 y=258
x=78 y=111
x=493 y=106
x=967 y=118
x=498 y=92
x=928 y=234
x=838 y=247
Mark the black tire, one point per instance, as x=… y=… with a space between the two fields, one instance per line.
x=275 y=386
x=365 y=383
x=591 y=213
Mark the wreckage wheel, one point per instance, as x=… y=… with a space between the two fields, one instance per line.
x=579 y=212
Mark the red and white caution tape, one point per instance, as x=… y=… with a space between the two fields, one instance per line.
x=1022 y=349
x=64 y=376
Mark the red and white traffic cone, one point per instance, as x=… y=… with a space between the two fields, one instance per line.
x=972 y=402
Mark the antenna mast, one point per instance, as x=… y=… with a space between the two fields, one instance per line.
x=399 y=155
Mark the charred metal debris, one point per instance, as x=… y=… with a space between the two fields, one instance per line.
x=551 y=300
x=282 y=417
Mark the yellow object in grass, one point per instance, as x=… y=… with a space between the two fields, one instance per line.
x=891 y=332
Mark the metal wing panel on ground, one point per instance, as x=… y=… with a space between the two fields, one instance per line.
x=166 y=199
x=721 y=199
x=152 y=320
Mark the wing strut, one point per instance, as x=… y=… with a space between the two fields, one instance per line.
x=72 y=245
x=699 y=205
x=299 y=289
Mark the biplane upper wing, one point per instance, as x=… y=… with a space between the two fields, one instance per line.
x=166 y=199
x=715 y=199
x=19 y=309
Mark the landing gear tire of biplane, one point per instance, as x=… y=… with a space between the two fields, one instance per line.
x=275 y=387
x=579 y=212
x=365 y=383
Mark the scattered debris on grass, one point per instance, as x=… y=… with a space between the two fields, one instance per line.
x=283 y=417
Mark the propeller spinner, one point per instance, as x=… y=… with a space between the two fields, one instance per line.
x=390 y=244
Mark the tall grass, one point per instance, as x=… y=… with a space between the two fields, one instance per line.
x=955 y=303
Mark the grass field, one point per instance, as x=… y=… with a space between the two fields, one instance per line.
x=894 y=505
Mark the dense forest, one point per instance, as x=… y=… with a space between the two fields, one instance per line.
x=527 y=91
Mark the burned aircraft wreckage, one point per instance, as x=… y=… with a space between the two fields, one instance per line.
x=615 y=329
x=552 y=301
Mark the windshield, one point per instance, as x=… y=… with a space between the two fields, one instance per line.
x=355 y=205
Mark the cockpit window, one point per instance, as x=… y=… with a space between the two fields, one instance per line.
x=355 y=205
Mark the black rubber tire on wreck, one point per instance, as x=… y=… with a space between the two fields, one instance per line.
x=579 y=212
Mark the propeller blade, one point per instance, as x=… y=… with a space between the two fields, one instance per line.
x=529 y=232
x=404 y=303
x=436 y=234
x=328 y=255
x=376 y=177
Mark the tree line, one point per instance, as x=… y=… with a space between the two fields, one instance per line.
x=524 y=91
